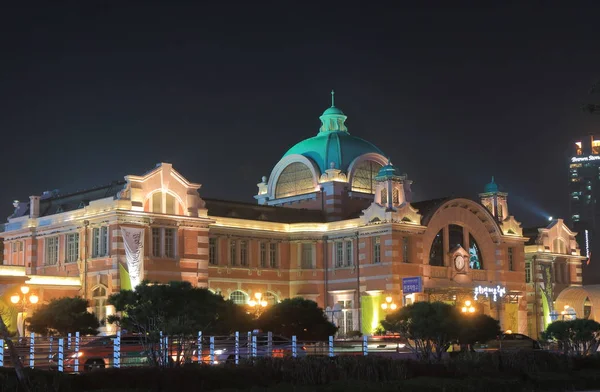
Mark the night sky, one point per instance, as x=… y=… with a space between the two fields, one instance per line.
x=96 y=90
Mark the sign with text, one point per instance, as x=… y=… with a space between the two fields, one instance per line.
x=493 y=292
x=412 y=285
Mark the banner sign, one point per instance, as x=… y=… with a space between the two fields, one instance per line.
x=133 y=238
x=412 y=285
x=495 y=292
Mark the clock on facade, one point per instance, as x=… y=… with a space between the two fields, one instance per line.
x=459 y=262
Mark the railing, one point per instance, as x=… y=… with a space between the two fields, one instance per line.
x=76 y=353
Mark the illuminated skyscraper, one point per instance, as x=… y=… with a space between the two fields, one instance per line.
x=584 y=183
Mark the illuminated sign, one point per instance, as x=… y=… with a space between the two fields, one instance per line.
x=587 y=244
x=586 y=159
x=412 y=285
x=495 y=292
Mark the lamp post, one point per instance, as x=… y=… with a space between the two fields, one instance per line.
x=468 y=308
x=389 y=304
x=258 y=304
x=21 y=301
x=566 y=314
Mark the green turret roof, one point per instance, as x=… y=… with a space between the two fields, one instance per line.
x=333 y=143
x=492 y=187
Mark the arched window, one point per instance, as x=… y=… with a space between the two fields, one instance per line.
x=436 y=254
x=396 y=196
x=295 y=179
x=164 y=203
x=455 y=233
x=99 y=298
x=271 y=298
x=558 y=246
x=239 y=297
x=475 y=259
x=587 y=308
x=363 y=179
x=384 y=196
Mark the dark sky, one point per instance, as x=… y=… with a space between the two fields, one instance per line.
x=94 y=90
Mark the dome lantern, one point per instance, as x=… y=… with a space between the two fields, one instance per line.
x=333 y=119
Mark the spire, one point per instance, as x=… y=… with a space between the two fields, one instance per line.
x=332 y=98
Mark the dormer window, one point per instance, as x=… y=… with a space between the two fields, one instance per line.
x=164 y=203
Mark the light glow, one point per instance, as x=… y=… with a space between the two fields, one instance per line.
x=587 y=244
x=15 y=299
x=24 y=289
x=40 y=280
x=34 y=299
x=586 y=159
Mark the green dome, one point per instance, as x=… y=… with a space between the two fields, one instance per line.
x=387 y=171
x=491 y=187
x=340 y=147
x=333 y=110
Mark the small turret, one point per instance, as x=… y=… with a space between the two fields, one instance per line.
x=495 y=201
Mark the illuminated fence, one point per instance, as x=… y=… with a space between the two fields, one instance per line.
x=76 y=353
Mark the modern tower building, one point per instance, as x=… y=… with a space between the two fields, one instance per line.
x=584 y=183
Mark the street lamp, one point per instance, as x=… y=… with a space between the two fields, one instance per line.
x=258 y=303
x=566 y=314
x=468 y=308
x=389 y=304
x=22 y=301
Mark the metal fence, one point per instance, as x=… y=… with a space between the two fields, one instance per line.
x=75 y=353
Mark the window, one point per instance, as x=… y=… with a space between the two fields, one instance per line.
x=164 y=203
x=238 y=297
x=273 y=255
x=51 y=250
x=339 y=254
x=271 y=298
x=455 y=233
x=232 y=252
x=306 y=256
x=510 y=259
x=100 y=241
x=99 y=298
x=475 y=259
x=212 y=251
x=377 y=249
x=346 y=322
x=558 y=246
x=363 y=178
x=72 y=253
x=295 y=179
x=500 y=213
x=164 y=242
x=244 y=253
x=396 y=196
x=17 y=246
x=349 y=254
x=436 y=253
x=405 y=249
x=263 y=255
x=527 y=272
x=384 y=196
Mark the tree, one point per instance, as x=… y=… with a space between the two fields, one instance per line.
x=478 y=328
x=579 y=337
x=297 y=317
x=429 y=327
x=179 y=311
x=62 y=316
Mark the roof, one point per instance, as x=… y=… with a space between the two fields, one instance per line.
x=532 y=233
x=491 y=187
x=338 y=147
x=54 y=203
x=250 y=211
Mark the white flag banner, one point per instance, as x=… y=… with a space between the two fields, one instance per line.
x=133 y=238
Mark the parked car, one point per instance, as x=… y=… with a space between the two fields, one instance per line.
x=509 y=341
x=224 y=350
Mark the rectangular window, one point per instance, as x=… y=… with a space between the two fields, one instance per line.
x=232 y=252
x=170 y=243
x=527 y=272
x=156 y=242
x=212 y=251
x=15 y=246
x=349 y=254
x=510 y=260
x=72 y=253
x=273 y=255
x=263 y=255
x=100 y=241
x=377 y=250
x=405 y=249
x=339 y=254
x=244 y=253
x=51 y=250
x=306 y=256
